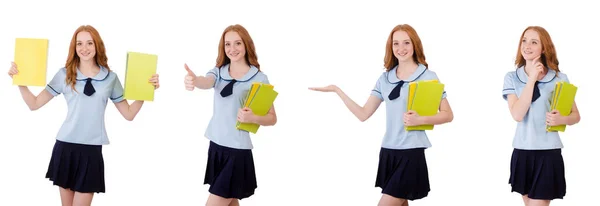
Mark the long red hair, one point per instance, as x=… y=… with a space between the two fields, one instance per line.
x=251 y=58
x=390 y=61
x=73 y=60
x=548 y=57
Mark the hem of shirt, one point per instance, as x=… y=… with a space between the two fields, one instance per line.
x=227 y=145
x=407 y=147
x=538 y=148
x=84 y=143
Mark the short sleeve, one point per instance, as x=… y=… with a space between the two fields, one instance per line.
x=214 y=72
x=117 y=91
x=377 y=89
x=509 y=85
x=57 y=84
x=435 y=77
x=564 y=77
x=265 y=79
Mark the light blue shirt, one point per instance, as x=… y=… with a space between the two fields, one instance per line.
x=221 y=128
x=531 y=132
x=84 y=123
x=396 y=137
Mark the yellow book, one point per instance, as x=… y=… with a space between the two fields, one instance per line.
x=140 y=68
x=555 y=95
x=411 y=92
x=31 y=57
x=252 y=92
x=563 y=102
x=554 y=99
x=424 y=98
x=260 y=102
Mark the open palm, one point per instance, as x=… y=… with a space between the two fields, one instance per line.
x=330 y=88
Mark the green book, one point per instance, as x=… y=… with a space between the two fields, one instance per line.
x=260 y=99
x=424 y=98
x=563 y=99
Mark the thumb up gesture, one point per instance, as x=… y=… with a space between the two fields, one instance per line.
x=190 y=79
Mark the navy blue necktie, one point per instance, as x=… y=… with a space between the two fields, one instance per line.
x=228 y=89
x=89 y=89
x=395 y=93
x=536 y=92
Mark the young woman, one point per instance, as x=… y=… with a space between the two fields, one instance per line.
x=537 y=169
x=402 y=174
x=230 y=168
x=76 y=165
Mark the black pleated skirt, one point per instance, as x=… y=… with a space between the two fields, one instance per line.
x=403 y=173
x=539 y=174
x=77 y=167
x=230 y=172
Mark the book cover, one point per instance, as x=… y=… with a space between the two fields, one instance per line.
x=140 y=67
x=31 y=57
x=425 y=100
x=259 y=100
x=563 y=102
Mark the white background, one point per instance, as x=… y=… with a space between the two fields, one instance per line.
x=318 y=153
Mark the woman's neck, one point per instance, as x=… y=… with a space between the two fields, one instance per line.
x=406 y=69
x=88 y=68
x=238 y=69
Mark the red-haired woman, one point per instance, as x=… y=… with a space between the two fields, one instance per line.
x=77 y=165
x=230 y=168
x=402 y=174
x=537 y=170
